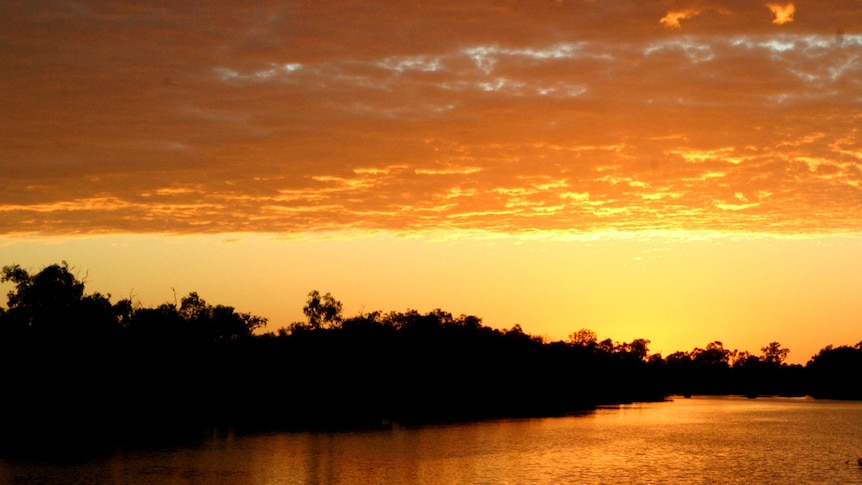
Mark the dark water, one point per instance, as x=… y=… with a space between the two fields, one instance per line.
x=691 y=441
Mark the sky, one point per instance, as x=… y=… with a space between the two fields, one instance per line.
x=681 y=171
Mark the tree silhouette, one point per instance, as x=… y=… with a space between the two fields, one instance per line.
x=584 y=338
x=52 y=304
x=322 y=311
x=713 y=355
x=832 y=372
x=108 y=371
x=637 y=348
x=44 y=299
x=216 y=323
x=774 y=354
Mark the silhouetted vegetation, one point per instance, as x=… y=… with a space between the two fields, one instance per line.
x=79 y=369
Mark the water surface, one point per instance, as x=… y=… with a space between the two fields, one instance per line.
x=692 y=441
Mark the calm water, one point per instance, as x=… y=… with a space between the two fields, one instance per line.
x=691 y=441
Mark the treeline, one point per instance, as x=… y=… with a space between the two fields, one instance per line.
x=77 y=367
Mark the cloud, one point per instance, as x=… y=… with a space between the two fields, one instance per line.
x=783 y=13
x=555 y=119
x=671 y=20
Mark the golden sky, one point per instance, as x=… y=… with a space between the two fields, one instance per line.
x=378 y=130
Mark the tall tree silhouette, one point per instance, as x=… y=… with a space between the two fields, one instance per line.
x=45 y=298
x=774 y=354
x=322 y=311
x=52 y=303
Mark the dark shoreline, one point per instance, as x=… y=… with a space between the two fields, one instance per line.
x=74 y=365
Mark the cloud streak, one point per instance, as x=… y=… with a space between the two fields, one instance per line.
x=489 y=116
x=783 y=13
x=671 y=20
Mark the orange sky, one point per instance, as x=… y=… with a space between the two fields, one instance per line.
x=716 y=141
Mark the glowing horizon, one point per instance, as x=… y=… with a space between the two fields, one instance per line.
x=680 y=292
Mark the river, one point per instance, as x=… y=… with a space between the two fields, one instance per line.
x=693 y=441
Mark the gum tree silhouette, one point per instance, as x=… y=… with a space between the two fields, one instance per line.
x=52 y=303
x=322 y=311
x=774 y=354
x=78 y=369
x=584 y=338
x=217 y=323
x=833 y=372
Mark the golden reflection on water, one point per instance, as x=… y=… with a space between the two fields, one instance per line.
x=692 y=441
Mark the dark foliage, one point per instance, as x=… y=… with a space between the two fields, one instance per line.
x=833 y=371
x=80 y=370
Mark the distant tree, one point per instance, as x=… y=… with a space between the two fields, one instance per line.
x=217 y=323
x=774 y=354
x=745 y=359
x=655 y=360
x=607 y=345
x=471 y=322
x=124 y=309
x=584 y=338
x=228 y=324
x=45 y=298
x=517 y=335
x=678 y=359
x=193 y=307
x=832 y=372
x=322 y=311
x=713 y=355
x=418 y=327
x=637 y=348
x=161 y=324
x=366 y=324
x=52 y=303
